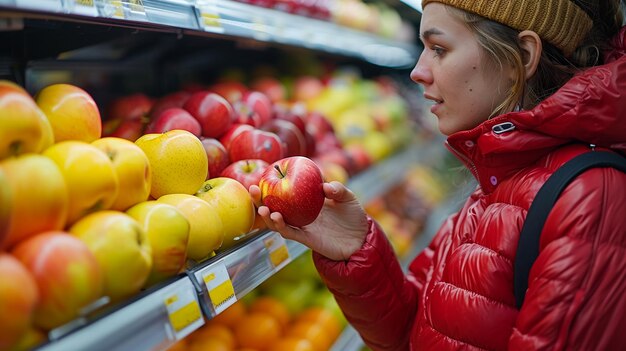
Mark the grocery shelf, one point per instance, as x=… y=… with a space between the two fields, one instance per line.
x=229 y=19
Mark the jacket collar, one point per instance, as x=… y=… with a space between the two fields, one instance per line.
x=590 y=108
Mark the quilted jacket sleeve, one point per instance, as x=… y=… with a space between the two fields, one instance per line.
x=577 y=286
x=378 y=299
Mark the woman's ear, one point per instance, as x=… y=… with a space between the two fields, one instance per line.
x=531 y=51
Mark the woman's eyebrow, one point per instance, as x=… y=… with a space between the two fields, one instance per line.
x=430 y=32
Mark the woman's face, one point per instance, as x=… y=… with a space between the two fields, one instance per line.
x=454 y=74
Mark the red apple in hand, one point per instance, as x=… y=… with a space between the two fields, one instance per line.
x=246 y=172
x=212 y=111
x=174 y=118
x=293 y=187
x=256 y=144
x=217 y=156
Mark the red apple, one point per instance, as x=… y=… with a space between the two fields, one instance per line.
x=327 y=142
x=318 y=125
x=130 y=107
x=217 y=156
x=294 y=115
x=289 y=134
x=229 y=89
x=129 y=129
x=340 y=157
x=232 y=132
x=259 y=103
x=243 y=114
x=256 y=144
x=212 y=111
x=293 y=187
x=246 y=172
x=176 y=99
x=67 y=273
x=174 y=118
x=271 y=87
x=360 y=158
x=306 y=88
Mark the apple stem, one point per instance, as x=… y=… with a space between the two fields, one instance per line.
x=207 y=187
x=279 y=171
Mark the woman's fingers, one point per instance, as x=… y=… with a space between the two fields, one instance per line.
x=255 y=194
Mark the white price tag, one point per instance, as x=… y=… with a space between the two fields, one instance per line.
x=219 y=286
x=277 y=249
x=83 y=7
x=183 y=309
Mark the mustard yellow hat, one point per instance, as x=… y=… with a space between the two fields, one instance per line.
x=562 y=23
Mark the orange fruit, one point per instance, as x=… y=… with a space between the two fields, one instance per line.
x=230 y=316
x=213 y=331
x=209 y=345
x=180 y=345
x=313 y=332
x=323 y=317
x=257 y=330
x=272 y=306
x=292 y=343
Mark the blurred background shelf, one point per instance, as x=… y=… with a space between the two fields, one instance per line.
x=222 y=19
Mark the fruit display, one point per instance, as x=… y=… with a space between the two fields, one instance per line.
x=124 y=178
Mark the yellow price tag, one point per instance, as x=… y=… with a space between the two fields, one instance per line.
x=211 y=19
x=84 y=2
x=219 y=286
x=185 y=316
x=118 y=9
x=222 y=293
x=277 y=248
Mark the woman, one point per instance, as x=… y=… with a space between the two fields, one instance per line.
x=519 y=87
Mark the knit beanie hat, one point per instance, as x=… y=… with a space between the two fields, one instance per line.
x=562 y=23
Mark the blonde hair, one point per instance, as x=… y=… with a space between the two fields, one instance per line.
x=501 y=47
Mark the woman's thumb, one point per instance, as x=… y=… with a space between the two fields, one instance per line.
x=338 y=192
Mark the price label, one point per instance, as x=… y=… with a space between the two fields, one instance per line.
x=114 y=9
x=219 y=286
x=136 y=6
x=210 y=18
x=84 y=7
x=277 y=249
x=183 y=310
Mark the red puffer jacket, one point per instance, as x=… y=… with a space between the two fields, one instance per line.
x=458 y=293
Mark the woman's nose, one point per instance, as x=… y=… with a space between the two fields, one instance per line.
x=421 y=72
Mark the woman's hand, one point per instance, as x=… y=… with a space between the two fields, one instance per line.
x=336 y=233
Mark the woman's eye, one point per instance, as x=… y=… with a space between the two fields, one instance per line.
x=438 y=51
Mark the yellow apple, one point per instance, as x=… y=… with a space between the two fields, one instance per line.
x=121 y=249
x=179 y=162
x=71 y=111
x=89 y=175
x=377 y=145
x=23 y=126
x=132 y=168
x=233 y=204
x=206 y=232
x=33 y=211
x=5 y=207
x=168 y=233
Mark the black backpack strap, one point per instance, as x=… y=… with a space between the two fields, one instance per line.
x=528 y=246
